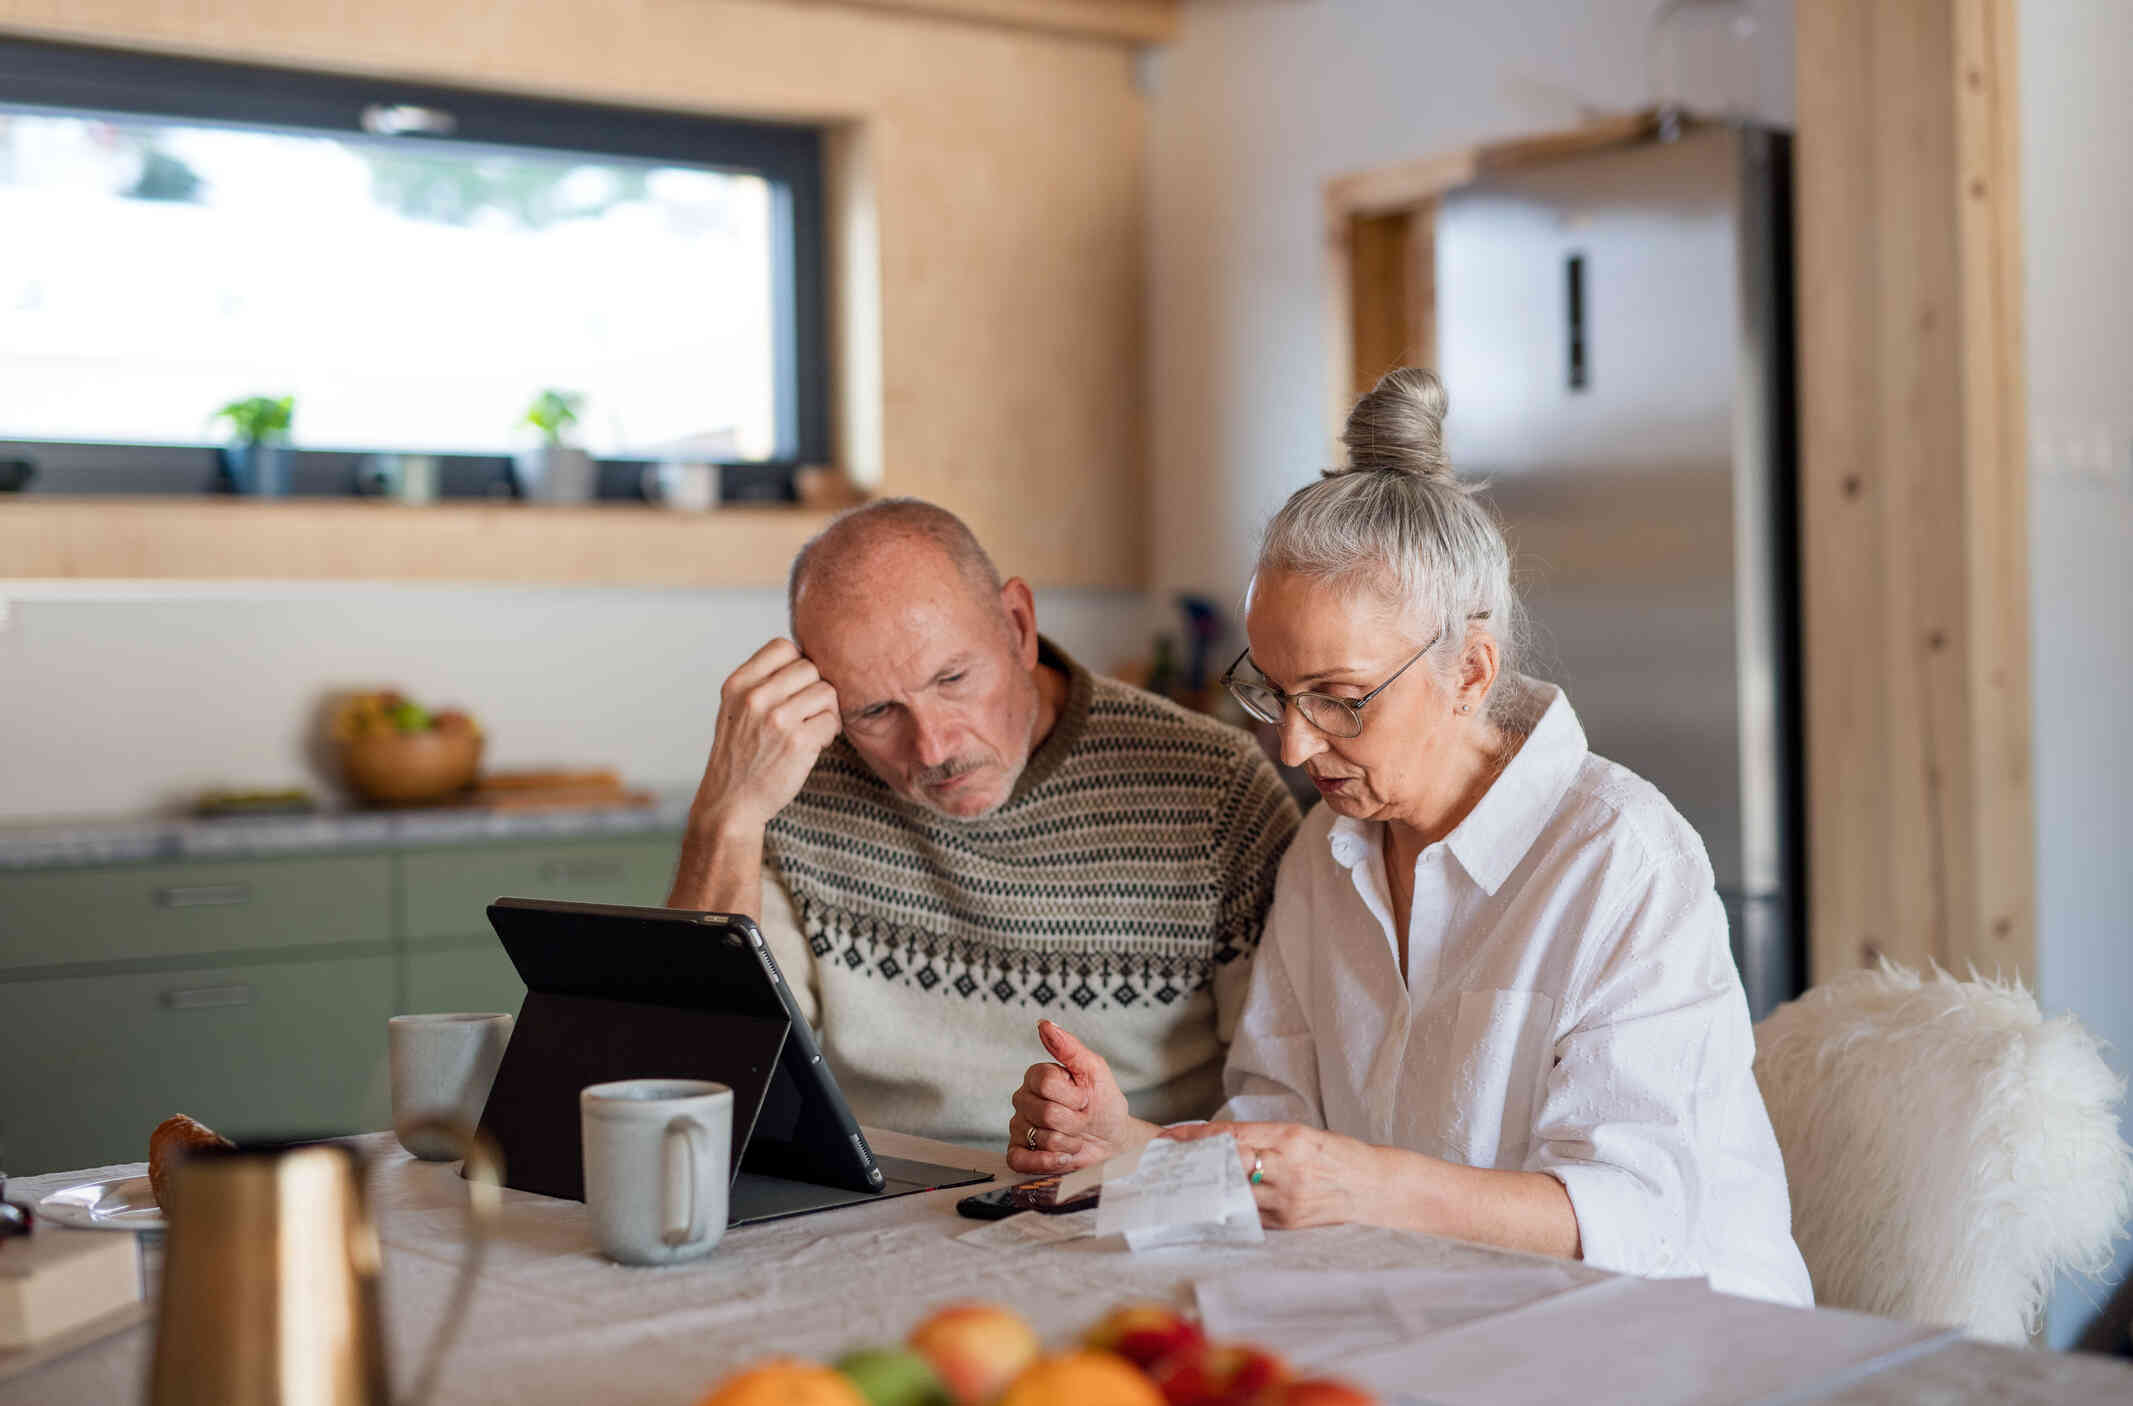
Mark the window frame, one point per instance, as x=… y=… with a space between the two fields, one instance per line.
x=42 y=75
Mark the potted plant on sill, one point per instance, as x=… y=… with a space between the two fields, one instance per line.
x=258 y=463
x=556 y=472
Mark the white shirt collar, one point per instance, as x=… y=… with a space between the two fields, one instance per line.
x=1496 y=834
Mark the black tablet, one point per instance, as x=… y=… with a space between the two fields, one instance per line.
x=625 y=993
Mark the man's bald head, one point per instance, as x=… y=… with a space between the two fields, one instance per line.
x=933 y=658
x=840 y=560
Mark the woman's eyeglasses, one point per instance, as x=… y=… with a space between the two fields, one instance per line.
x=1335 y=717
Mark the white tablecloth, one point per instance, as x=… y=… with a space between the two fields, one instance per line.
x=555 y=1322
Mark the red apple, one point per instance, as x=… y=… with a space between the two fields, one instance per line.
x=976 y=1348
x=1225 y=1374
x=1143 y=1333
x=1182 y=1377
x=1246 y=1373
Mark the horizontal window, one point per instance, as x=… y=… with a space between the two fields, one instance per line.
x=411 y=266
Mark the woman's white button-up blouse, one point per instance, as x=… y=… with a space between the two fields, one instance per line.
x=1571 y=1007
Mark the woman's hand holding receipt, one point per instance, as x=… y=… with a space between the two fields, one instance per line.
x=1071 y=1113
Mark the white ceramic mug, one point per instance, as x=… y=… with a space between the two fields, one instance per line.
x=407 y=478
x=657 y=1155
x=442 y=1067
x=690 y=487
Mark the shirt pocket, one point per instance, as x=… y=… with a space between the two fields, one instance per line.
x=1502 y=1045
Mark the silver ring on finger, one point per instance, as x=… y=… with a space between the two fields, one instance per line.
x=1030 y=1135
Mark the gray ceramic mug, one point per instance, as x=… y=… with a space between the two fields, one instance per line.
x=657 y=1157
x=442 y=1067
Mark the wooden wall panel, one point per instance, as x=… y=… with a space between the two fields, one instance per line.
x=1389 y=274
x=1995 y=425
x=1004 y=167
x=1913 y=506
x=1138 y=21
x=1380 y=297
x=356 y=539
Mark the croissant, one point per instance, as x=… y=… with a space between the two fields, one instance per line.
x=173 y=1138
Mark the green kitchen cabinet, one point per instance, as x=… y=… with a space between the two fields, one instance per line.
x=446 y=892
x=198 y=909
x=274 y=1049
x=472 y=976
x=253 y=994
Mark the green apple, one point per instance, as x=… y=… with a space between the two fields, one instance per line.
x=893 y=1376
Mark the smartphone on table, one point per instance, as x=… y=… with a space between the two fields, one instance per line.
x=1041 y=1195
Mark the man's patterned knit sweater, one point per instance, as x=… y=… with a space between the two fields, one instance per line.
x=1119 y=890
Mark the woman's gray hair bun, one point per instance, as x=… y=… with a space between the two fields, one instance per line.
x=1399 y=425
x=1397 y=525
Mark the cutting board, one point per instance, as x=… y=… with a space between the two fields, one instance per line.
x=550 y=789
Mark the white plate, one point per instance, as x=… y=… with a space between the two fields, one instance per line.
x=123 y=1203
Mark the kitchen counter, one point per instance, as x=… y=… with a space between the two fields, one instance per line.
x=84 y=844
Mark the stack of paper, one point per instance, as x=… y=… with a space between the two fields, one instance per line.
x=1321 y=1320
x=1653 y=1341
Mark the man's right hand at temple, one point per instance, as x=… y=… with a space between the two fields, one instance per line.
x=776 y=713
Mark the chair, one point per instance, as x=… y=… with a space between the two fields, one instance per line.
x=1948 y=1149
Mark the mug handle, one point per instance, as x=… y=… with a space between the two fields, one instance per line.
x=696 y=1143
x=485 y=1181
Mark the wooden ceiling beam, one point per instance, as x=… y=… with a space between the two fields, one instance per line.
x=1124 y=21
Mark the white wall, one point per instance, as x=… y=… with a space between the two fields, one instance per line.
x=125 y=698
x=2077 y=209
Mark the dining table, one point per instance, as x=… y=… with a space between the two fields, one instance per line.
x=553 y=1321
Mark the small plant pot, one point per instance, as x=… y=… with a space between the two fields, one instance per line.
x=260 y=470
x=556 y=474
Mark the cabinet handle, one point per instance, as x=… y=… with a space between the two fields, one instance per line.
x=204 y=896
x=579 y=871
x=206 y=998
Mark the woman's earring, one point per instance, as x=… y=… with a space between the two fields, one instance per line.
x=1466 y=707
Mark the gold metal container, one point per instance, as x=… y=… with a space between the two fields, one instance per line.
x=270 y=1280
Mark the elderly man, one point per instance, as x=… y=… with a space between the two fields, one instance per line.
x=947 y=828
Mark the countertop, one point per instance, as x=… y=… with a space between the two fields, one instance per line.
x=90 y=843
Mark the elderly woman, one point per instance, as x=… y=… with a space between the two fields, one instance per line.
x=1494 y=998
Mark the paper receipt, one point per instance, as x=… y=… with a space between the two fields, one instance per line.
x=1179 y=1193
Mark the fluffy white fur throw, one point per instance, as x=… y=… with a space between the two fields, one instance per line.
x=1948 y=1149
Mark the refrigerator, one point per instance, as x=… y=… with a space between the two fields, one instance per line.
x=1615 y=331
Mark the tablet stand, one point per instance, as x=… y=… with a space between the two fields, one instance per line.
x=562 y=1043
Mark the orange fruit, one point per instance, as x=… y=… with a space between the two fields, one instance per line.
x=1084 y=1378
x=785 y=1381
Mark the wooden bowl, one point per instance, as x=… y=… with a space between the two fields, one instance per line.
x=399 y=768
